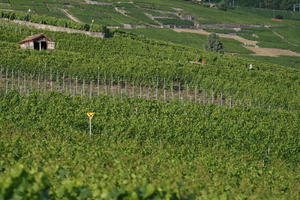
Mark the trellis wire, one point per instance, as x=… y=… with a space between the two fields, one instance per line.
x=116 y=86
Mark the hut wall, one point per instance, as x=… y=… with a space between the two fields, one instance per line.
x=51 y=45
x=27 y=45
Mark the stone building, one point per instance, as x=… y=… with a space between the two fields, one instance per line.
x=38 y=42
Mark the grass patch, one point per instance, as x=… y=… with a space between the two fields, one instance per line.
x=189 y=39
x=178 y=22
x=289 y=61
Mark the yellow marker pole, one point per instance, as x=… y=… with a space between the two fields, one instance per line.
x=90 y=116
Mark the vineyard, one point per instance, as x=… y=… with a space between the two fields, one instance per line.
x=143 y=149
x=135 y=12
x=171 y=122
x=25 y=83
x=44 y=19
x=146 y=62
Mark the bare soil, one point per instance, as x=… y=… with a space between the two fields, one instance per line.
x=75 y=19
x=249 y=44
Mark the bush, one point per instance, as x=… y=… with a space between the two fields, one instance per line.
x=222 y=6
x=30 y=185
x=86 y=27
x=214 y=44
x=279 y=17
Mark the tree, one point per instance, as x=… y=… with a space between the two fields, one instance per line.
x=86 y=27
x=222 y=5
x=214 y=44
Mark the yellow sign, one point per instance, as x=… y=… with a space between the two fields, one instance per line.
x=90 y=115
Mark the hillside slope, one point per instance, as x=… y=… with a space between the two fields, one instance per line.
x=143 y=149
x=153 y=12
x=143 y=61
x=153 y=15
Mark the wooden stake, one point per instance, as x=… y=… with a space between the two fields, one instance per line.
x=63 y=82
x=165 y=90
x=18 y=78
x=76 y=84
x=83 y=93
x=156 y=90
x=31 y=83
x=6 y=82
x=148 y=92
x=51 y=84
x=24 y=83
x=187 y=92
x=133 y=89
x=195 y=92
x=1 y=74
x=125 y=87
x=172 y=90
x=98 y=84
x=45 y=81
x=179 y=91
x=91 y=89
x=105 y=84
x=140 y=91
x=38 y=81
x=12 y=79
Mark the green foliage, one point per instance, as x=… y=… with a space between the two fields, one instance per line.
x=44 y=19
x=274 y=4
x=140 y=60
x=222 y=5
x=87 y=27
x=55 y=113
x=188 y=39
x=176 y=22
x=144 y=149
x=19 y=183
x=214 y=44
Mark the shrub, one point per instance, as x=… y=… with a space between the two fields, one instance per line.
x=214 y=44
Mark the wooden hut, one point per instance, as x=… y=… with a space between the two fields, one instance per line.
x=38 y=42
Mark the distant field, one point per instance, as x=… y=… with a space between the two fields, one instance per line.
x=288 y=61
x=286 y=38
x=188 y=39
x=106 y=14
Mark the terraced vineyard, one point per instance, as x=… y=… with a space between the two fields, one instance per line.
x=153 y=15
x=143 y=61
x=108 y=12
x=166 y=124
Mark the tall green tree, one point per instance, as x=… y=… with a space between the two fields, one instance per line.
x=214 y=44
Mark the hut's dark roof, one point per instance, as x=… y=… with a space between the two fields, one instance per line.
x=36 y=37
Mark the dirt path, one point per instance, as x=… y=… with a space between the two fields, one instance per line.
x=283 y=38
x=75 y=19
x=97 y=3
x=249 y=44
x=235 y=37
x=121 y=11
x=272 y=52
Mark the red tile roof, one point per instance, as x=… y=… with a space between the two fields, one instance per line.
x=35 y=37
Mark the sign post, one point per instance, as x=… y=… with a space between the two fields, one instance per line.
x=90 y=116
